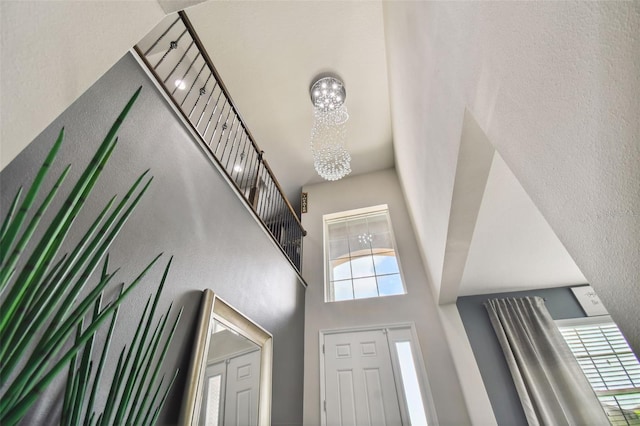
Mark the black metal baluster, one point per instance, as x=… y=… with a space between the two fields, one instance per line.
x=298 y=248
x=278 y=221
x=233 y=144
x=245 y=163
x=179 y=62
x=246 y=171
x=255 y=196
x=272 y=208
x=288 y=232
x=266 y=208
x=202 y=91
x=264 y=194
x=224 y=127
x=237 y=166
x=212 y=114
x=301 y=234
x=172 y=45
x=233 y=141
x=282 y=220
x=226 y=142
x=185 y=74
x=195 y=80
x=146 y=53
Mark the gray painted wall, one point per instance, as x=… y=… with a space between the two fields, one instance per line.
x=493 y=367
x=417 y=306
x=190 y=212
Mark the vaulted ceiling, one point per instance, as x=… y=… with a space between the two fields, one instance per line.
x=553 y=86
x=268 y=53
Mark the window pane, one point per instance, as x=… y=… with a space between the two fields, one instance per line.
x=386 y=264
x=378 y=224
x=410 y=384
x=341 y=270
x=382 y=241
x=359 y=245
x=362 y=267
x=338 y=248
x=388 y=285
x=356 y=227
x=213 y=400
x=365 y=287
x=337 y=231
x=609 y=365
x=342 y=290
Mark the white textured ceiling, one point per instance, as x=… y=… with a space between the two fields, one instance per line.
x=268 y=53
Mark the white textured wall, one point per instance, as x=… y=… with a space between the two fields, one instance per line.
x=418 y=305
x=556 y=88
x=52 y=51
x=513 y=239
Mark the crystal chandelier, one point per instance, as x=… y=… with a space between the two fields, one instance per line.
x=330 y=157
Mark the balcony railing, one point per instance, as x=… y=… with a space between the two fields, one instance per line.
x=176 y=57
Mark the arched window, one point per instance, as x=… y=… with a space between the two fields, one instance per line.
x=361 y=259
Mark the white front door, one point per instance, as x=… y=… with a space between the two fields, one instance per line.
x=359 y=382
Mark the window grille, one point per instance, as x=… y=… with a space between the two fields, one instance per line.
x=609 y=364
x=360 y=255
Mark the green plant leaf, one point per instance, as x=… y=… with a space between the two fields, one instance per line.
x=16 y=223
x=125 y=367
x=60 y=308
x=156 y=369
x=42 y=299
x=111 y=398
x=24 y=240
x=137 y=363
x=154 y=420
x=147 y=359
x=46 y=250
x=98 y=374
x=33 y=389
x=10 y=213
x=35 y=220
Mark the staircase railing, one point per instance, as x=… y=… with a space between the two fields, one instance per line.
x=176 y=57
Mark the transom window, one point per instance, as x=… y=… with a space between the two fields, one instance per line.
x=360 y=255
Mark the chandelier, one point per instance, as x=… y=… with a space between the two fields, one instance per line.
x=330 y=157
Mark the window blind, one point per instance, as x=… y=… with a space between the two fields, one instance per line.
x=610 y=366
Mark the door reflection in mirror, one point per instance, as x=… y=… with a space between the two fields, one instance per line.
x=229 y=379
x=232 y=380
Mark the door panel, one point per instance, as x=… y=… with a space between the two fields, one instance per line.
x=373 y=389
x=360 y=386
x=243 y=381
x=347 y=406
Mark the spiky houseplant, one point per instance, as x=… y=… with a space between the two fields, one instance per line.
x=129 y=400
x=43 y=301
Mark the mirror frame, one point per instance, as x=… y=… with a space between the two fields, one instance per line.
x=213 y=308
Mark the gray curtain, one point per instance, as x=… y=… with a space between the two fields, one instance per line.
x=551 y=386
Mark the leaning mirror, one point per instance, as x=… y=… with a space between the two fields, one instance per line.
x=229 y=379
